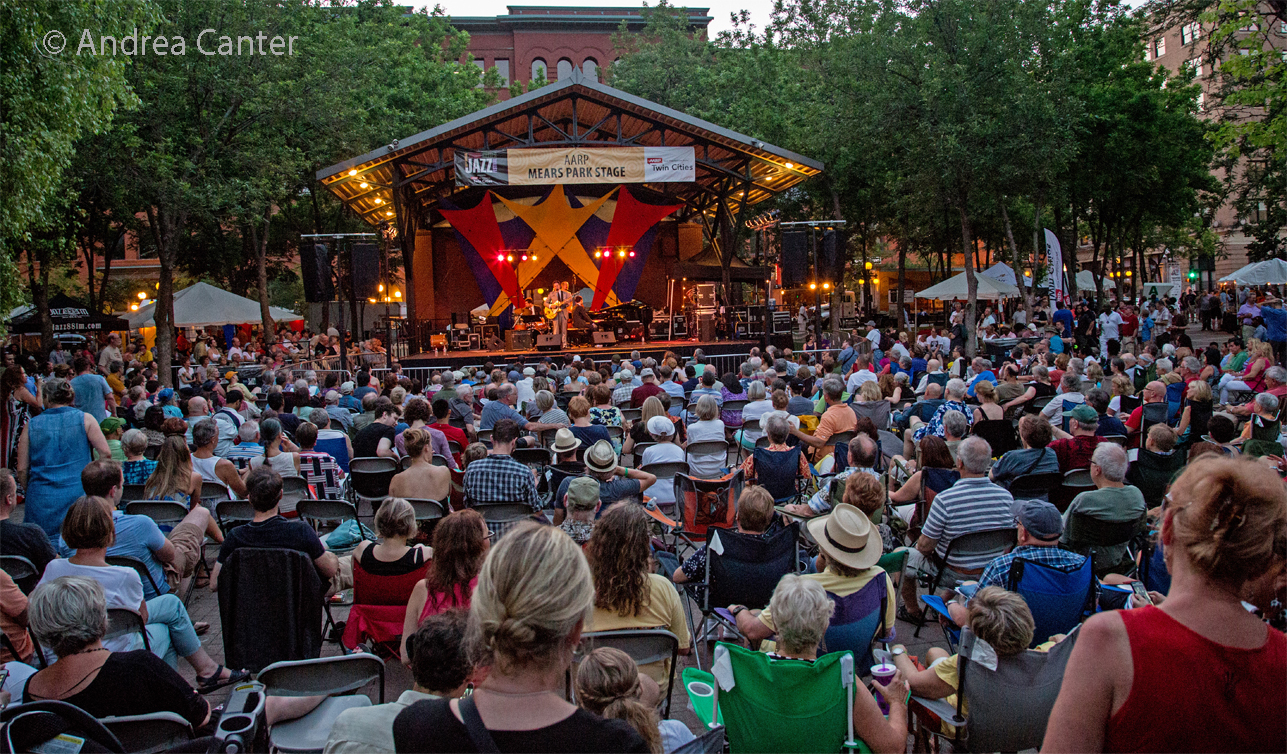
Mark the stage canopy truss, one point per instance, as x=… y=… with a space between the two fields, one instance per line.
x=404 y=182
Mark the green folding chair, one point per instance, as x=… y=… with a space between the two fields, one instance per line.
x=776 y=705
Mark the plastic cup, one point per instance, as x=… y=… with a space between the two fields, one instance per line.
x=882 y=674
x=702 y=697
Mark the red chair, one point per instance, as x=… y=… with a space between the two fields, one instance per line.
x=379 y=607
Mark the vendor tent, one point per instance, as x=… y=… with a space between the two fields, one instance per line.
x=204 y=305
x=1268 y=272
x=68 y=315
x=955 y=288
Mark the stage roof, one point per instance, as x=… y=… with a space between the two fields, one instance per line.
x=572 y=112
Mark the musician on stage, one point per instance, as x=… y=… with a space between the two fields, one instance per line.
x=580 y=316
x=557 y=303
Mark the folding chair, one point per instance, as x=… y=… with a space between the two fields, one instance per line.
x=1075 y=482
x=329 y=511
x=405 y=462
x=999 y=433
x=709 y=742
x=23 y=572
x=778 y=471
x=1058 y=599
x=980 y=545
x=894 y=562
x=707 y=449
x=454 y=448
x=877 y=411
x=437 y=460
x=741 y=569
x=166 y=513
x=485 y=437
x=501 y=515
x=1035 y=486
x=132 y=492
x=155 y=732
x=369 y=479
x=1153 y=413
x=1115 y=439
x=644 y=645
x=1009 y=705
x=617 y=434
x=26 y=727
x=122 y=621
x=294 y=489
x=428 y=510
x=213 y=492
x=150 y=587
x=1089 y=535
x=230 y=513
x=323 y=676
x=837 y=439
x=638 y=451
x=268 y=620
x=379 y=607
x=533 y=458
x=631 y=414
x=857 y=621
x=748 y=425
x=780 y=705
x=703 y=503
x=665 y=472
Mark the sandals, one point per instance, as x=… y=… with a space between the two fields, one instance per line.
x=201 y=628
x=210 y=683
x=904 y=614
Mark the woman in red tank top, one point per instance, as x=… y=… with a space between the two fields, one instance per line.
x=460 y=542
x=1199 y=673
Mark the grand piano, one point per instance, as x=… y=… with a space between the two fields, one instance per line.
x=629 y=321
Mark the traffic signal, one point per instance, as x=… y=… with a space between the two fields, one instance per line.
x=1193 y=274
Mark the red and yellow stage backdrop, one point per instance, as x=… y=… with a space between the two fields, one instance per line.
x=609 y=255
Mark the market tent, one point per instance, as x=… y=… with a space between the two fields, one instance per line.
x=1268 y=272
x=68 y=315
x=204 y=305
x=955 y=288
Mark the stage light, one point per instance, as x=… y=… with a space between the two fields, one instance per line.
x=389 y=213
x=363 y=184
x=867 y=265
x=632 y=255
x=500 y=257
x=380 y=287
x=862 y=281
x=534 y=258
x=540 y=291
x=371 y=300
x=524 y=257
x=352 y=172
x=598 y=255
x=789 y=166
x=509 y=258
x=621 y=254
x=875 y=278
x=142 y=296
x=1128 y=273
x=378 y=200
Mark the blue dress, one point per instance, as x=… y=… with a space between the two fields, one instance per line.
x=58 y=449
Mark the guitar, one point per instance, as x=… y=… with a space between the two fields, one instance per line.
x=553 y=311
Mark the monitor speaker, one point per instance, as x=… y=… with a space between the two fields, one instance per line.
x=518 y=340
x=795 y=258
x=315 y=269
x=602 y=338
x=366 y=270
x=548 y=342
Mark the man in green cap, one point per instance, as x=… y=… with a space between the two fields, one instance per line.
x=113 y=428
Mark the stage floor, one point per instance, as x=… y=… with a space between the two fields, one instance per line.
x=654 y=348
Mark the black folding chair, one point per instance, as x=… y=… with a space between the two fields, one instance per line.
x=23 y=572
x=123 y=622
x=999 y=434
x=979 y=545
x=1035 y=486
x=26 y=727
x=1090 y=536
x=644 y=645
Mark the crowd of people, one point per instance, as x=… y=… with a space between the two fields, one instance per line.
x=893 y=444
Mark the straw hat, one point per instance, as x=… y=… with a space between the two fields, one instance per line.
x=847 y=537
x=601 y=458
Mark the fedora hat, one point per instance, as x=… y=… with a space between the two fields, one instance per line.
x=565 y=441
x=601 y=458
x=847 y=537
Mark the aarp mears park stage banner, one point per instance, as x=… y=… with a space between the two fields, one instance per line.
x=544 y=167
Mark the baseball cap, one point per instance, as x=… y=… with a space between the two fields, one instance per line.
x=583 y=493
x=347 y=388
x=513 y=375
x=111 y=424
x=661 y=426
x=529 y=372
x=645 y=372
x=1040 y=518
x=1084 y=414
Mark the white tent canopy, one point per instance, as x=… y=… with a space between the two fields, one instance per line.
x=1085 y=279
x=1268 y=272
x=1147 y=290
x=204 y=305
x=955 y=288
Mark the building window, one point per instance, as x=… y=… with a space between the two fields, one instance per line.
x=1190 y=32
x=564 y=69
x=1202 y=102
x=502 y=67
x=1261 y=213
x=539 y=71
x=1196 y=65
x=482 y=68
x=591 y=69
x=1159 y=47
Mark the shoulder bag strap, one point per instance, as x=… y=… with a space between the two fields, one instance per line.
x=478 y=733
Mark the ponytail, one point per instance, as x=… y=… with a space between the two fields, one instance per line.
x=607 y=684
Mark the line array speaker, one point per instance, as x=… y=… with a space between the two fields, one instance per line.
x=795 y=258
x=315 y=269
x=366 y=270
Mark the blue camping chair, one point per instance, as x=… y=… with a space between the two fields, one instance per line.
x=857 y=621
x=1068 y=406
x=1174 y=401
x=1058 y=599
x=778 y=471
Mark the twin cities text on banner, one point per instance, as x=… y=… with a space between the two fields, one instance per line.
x=535 y=167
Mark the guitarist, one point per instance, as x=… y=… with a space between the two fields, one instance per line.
x=557 y=304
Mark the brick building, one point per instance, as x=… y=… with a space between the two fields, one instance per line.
x=553 y=39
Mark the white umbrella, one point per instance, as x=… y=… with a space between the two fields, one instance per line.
x=204 y=305
x=955 y=288
x=1268 y=272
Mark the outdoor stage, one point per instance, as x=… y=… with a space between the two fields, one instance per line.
x=654 y=348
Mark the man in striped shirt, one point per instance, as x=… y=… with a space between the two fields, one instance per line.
x=973 y=504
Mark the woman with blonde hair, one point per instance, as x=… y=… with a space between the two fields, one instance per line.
x=1198 y=408
x=1122 y=386
x=1137 y=679
x=422 y=479
x=525 y=623
x=608 y=683
x=639 y=429
x=1252 y=376
x=988 y=408
x=627 y=594
x=174 y=479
